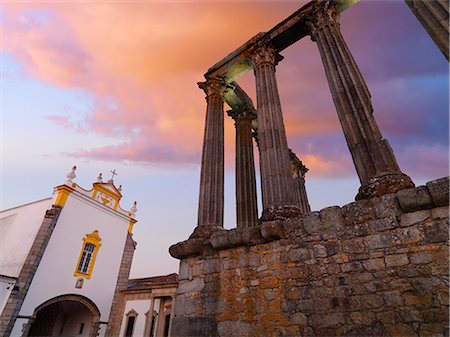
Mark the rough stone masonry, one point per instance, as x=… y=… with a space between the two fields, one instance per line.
x=375 y=267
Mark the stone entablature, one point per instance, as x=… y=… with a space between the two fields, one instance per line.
x=372 y=267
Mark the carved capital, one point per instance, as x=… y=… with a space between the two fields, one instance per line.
x=265 y=53
x=325 y=13
x=213 y=86
x=241 y=114
x=297 y=167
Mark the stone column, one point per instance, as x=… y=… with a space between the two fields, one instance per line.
x=372 y=155
x=433 y=15
x=246 y=204
x=276 y=181
x=298 y=171
x=211 y=198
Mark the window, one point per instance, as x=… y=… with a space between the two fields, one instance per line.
x=131 y=319
x=88 y=254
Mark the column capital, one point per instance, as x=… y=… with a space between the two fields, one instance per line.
x=324 y=14
x=213 y=86
x=242 y=114
x=265 y=53
x=298 y=169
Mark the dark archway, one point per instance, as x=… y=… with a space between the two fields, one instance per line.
x=67 y=315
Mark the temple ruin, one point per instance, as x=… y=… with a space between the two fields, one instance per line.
x=373 y=267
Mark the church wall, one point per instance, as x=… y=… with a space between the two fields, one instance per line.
x=373 y=267
x=19 y=225
x=55 y=277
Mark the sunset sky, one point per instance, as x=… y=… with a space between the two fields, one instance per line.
x=112 y=85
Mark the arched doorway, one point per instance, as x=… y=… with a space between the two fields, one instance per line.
x=67 y=315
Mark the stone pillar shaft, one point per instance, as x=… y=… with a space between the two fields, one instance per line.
x=298 y=171
x=246 y=202
x=372 y=155
x=276 y=181
x=433 y=15
x=211 y=198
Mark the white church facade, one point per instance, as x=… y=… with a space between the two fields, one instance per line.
x=65 y=264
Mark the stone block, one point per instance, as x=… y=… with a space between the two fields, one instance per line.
x=417 y=299
x=387 y=206
x=183 y=273
x=440 y=212
x=320 y=251
x=211 y=266
x=437 y=231
x=408 y=219
x=272 y=230
x=379 y=241
x=401 y=330
x=311 y=223
x=358 y=212
x=199 y=326
x=234 y=329
x=393 y=298
x=191 y=247
x=374 y=264
x=298 y=318
x=196 y=285
x=439 y=191
x=362 y=318
x=396 y=260
x=433 y=330
x=381 y=225
x=410 y=235
x=421 y=257
x=331 y=218
x=220 y=240
x=298 y=254
x=413 y=199
x=326 y=320
x=372 y=301
x=185 y=306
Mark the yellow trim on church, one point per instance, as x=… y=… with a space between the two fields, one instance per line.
x=86 y=256
x=130 y=226
x=63 y=194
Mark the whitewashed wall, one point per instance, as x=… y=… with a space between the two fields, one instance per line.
x=54 y=277
x=141 y=307
x=18 y=228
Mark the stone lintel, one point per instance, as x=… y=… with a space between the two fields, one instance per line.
x=384 y=184
x=284 y=34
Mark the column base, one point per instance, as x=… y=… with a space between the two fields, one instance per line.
x=385 y=184
x=204 y=232
x=280 y=212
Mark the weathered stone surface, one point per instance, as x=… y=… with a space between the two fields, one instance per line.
x=272 y=230
x=413 y=199
x=195 y=285
x=409 y=219
x=187 y=248
x=373 y=278
x=439 y=191
x=401 y=330
x=194 y=326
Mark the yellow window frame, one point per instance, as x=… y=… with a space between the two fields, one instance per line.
x=93 y=239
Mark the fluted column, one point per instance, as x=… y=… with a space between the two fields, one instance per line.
x=433 y=15
x=211 y=197
x=298 y=171
x=276 y=181
x=372 y=155
x=246 y=204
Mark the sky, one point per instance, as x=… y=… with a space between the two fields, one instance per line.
x=113 y=85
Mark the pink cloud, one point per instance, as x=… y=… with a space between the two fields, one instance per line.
x=141 y=61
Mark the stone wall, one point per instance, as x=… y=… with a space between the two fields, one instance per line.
x=376 y=267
